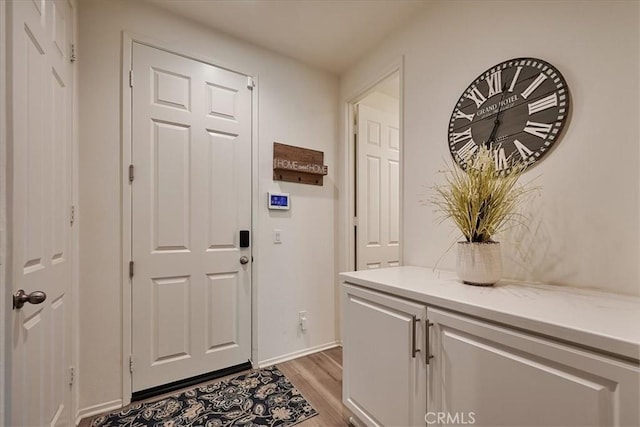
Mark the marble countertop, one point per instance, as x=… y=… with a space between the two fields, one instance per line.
x=604 y=321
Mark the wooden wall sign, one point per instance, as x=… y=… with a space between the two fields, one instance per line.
x=295 y=164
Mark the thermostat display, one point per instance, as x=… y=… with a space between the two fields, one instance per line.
x=278 y=201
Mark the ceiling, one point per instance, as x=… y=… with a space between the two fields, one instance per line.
x=328 y=34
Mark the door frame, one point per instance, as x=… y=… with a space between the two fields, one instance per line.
x=5 y=235
x=128 y=39
x=350 y=158
x=75 y=237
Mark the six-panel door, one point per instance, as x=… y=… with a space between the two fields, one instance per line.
x=191 y=197
x=41 y=105
x=378 y=189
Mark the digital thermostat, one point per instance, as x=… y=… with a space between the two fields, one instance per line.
x=278 y=201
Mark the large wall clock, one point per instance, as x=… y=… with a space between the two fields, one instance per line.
x=519 y=107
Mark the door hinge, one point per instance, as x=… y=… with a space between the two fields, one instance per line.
x=72 y=57
x=73 y=215
x=131 y=364
x=130 y=269
x=355 y=221
x=130 y=78
x=130 y=173
x=72 y=375
x=250 y=83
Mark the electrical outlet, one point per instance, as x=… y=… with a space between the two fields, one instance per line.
x=302 y=320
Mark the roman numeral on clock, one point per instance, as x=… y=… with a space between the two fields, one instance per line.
x=494 y=81
x=467 y=150
x=515 y=79
x=460 y=115
x=476 y=96
x=541 y=130
x=500 y=159
x=534 y=85
x=522 y=149
x=461 y=136
x=543 y=103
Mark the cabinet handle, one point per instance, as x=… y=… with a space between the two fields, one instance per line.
x=427 y=345
x=414 y=350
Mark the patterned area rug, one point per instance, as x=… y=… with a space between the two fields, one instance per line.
x=264 y=397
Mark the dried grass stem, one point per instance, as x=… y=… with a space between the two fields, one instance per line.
x=481 y=200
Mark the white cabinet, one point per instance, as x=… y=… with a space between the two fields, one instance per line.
x=490 y=365
x=498 y=376
x=384 y=380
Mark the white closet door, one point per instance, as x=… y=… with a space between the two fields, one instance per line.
x=41 y=105
x=378 y=189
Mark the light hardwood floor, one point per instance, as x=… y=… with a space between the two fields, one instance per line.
x=319 y=379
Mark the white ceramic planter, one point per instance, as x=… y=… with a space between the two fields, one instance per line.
x=479 y=263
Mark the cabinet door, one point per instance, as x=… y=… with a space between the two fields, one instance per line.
x=495 y=376
x=384 y=379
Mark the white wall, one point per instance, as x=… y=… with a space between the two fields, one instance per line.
x=383 y=102
x=297 y=105
x=587 y=222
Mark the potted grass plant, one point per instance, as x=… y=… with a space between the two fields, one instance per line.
x=481 y=200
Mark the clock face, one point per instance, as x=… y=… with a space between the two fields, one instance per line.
x=517 y=107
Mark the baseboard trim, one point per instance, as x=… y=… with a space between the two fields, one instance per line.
x=98 y=409
x=296 y=354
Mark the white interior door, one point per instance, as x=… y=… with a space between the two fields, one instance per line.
x=191 y=197
x=378 y=189
x=40 y=204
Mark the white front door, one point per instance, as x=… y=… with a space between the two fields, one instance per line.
x=40 y=204
x=378 y=189
x=191 y=133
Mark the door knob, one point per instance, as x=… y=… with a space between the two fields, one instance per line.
x=244 y=260
x=20 y=298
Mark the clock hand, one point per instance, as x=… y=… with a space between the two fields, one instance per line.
x=496 y=123
x=492 y=136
